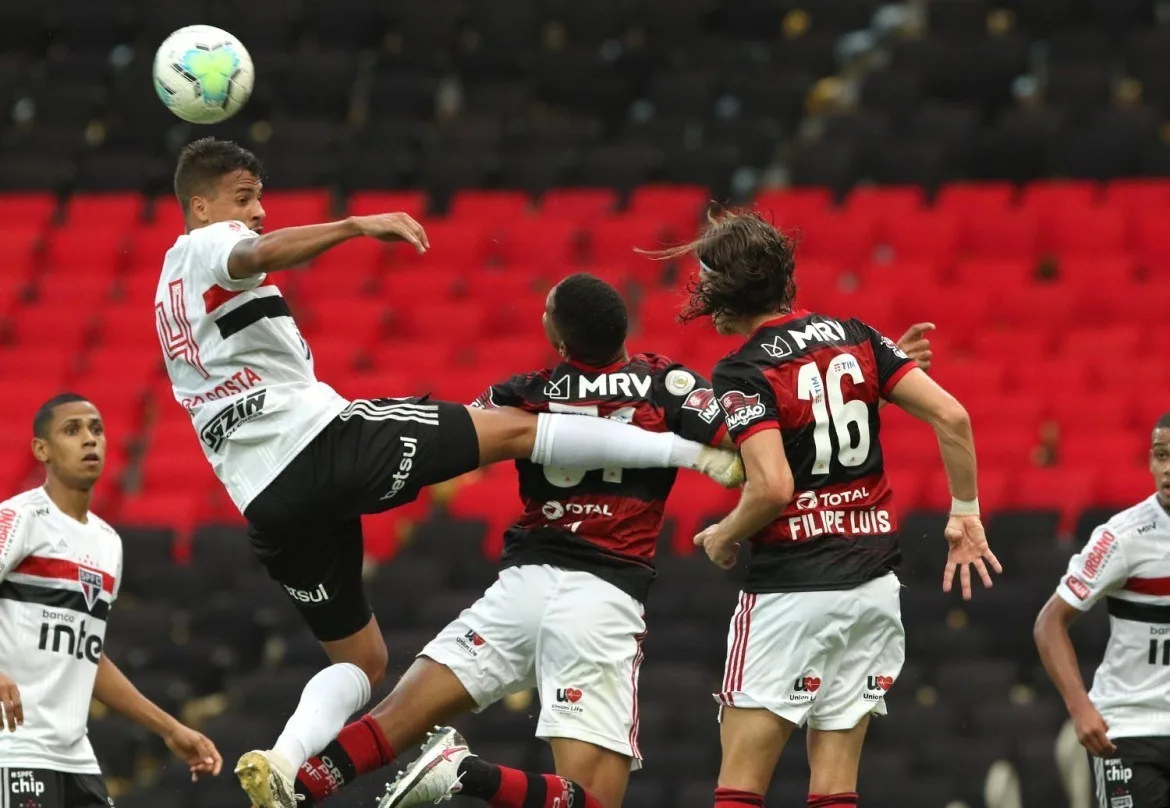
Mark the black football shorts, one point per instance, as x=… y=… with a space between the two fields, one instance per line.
x=376 y=455
x=1138 y=776
x=43 y=788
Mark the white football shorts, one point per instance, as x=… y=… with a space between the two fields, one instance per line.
x=573 y=636
x=826 y=658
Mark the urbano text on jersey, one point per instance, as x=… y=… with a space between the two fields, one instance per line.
x=239 y=382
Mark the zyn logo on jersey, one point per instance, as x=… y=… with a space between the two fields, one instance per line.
x=554 y=510
x=703 y=402
x=740 y=409
x=231 y=418
x=409 y=450
x=91 y=585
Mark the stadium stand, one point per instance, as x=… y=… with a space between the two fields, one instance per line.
x=995 y=170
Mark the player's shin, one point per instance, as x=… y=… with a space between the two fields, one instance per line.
x=502 y=787
x=360 y=748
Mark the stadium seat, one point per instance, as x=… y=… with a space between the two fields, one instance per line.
x=30 y=209
x=20 y=244
x=581 y=204
x=680 y=205
x=784 y=208
x=931 y=237
x=1088 y=232
x=44 y=324
x=492 y=208
x=1001 y=234
x=286 y=208
x=1131 y=196
x=93 y=249
x=974 y=199
x=116 y=211
x=538 y=246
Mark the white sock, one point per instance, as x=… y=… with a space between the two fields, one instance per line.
x=583 y=442
x=327 y=702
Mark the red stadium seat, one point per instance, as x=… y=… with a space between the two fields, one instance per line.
x=372 y=383
x=74 y=288
x=1006 y=446
x=1089 y=232
x=1131 y=196
x=364 y=322
x=582 y=204
x=926 y=236
x=1067 y=490
x=295 y=208
x=401 y=287
x=165 y=213
x=334 y=355
x=118 y=211
x=1038 y=305
x=1104 y=448
x=148 y=247
x=45 y=324
x=1002 y=234
x=1029 y=408
x=19 y=244
x=793 y=206
x=975 y=198
x=996 y=273
x=92 y=250
x=1011 y=346
x=489 y=207
x=546 y=247
x=1048 y=195
x=1122 y=486
x=364 y=203
x=453 y=242
x=176 y=510
x=885 y=202
x=139 y=361
x=31 y=360
x=1091 y=412
x=360 y=257
x=1104 y=343
x=128 y=325
x=968 y=380
x=613 y=241
x=692 y=502
x=995 y=491
x=1151 y=238
x=680 y=205
x=30 y=208
x=490 y=498
x=845 y=238
x=1102 y=274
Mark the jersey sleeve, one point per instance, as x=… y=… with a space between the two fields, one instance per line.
x=502 y=394
x=691 y=408
x=1097 y=570
x=213 y=246
x=746 y=398
x=891 y=361
x=13 y=538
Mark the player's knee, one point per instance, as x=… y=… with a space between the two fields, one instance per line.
x=373 y=659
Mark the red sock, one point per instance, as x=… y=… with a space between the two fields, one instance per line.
x=511 y=788
x=847 y=799
x=360 y=747
x=734 y=798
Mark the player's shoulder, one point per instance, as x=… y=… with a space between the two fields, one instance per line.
x=106 y=529
x=26 y=503
x=1137 y=522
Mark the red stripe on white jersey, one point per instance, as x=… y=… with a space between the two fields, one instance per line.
x=1148 y=586
x=216 y=296
x=737 y=654
x=61 y=569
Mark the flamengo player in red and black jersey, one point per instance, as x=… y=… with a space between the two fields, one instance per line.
x=817 y=637
x=566 y=613
x=60 y=571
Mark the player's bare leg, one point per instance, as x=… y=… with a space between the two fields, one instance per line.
x=834 y=757
x=752 y=741
x=329 y=698
x=602 y=772
x=558 y=439
x=428 y=694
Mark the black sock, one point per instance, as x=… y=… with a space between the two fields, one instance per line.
x=478 y=778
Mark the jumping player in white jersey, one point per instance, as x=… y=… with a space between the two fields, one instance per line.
x=1124 y=721
x=817 y=637
x=60 y=569
x=301 y=462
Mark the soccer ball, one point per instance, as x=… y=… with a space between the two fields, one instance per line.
x=203 y=74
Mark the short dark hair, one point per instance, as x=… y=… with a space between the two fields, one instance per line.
x=202 y=162
x=1163 y=422
x=590 y=316
x=44 y=415
x=747 y=267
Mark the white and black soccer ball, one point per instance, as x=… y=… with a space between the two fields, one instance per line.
x=203 y=74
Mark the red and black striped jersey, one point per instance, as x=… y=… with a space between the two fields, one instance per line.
x=819 y=381
x=604 y=521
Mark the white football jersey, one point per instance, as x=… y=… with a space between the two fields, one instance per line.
x=58 y=579
x=1127 y=561
x=237 y=362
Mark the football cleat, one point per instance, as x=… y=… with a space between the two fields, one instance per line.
x=263 y=781
x=434 y=777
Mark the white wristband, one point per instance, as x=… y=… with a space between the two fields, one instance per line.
x=963 y=507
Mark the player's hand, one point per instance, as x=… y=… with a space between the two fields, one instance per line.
x=196 y=749
x=915 y=344
x=10 y=703
x=723 y=553
x=1093 y=732
x=968 y=546
x=394 y=227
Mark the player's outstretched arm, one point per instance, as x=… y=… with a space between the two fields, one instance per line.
x=114 y=690
x=1060 y=660
x=291 y=246
x=923 y=398
x=766 y=493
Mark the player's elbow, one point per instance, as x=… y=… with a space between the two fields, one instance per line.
x=951 y=418
x=776 y=490
x=1051 y=619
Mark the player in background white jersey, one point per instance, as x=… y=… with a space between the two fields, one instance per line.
x=1124 y=721
x=60 y=569
x=301 y=462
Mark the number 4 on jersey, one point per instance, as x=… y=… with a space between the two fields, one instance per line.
x=174 y=329
x=830 y=408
